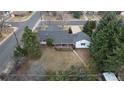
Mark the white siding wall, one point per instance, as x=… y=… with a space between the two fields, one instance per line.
x=43 y=42
x=82 y=44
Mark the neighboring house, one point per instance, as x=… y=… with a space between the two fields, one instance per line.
x=20 y=13
x=63 y=38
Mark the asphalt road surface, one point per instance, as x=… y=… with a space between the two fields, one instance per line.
x=61 y=22
x=7 y=48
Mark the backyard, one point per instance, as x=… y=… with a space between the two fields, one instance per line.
x=50 y=61
x=53 y=60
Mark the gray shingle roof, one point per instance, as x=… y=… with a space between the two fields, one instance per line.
x=54 y=28
x=81 y=36
x=61 y=37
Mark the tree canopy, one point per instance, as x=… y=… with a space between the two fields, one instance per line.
x=76 y=14
x=29 y=46
x=73 y=74
x=30 y=43
x=49 y=41
x=89 y=26
x=104 y=44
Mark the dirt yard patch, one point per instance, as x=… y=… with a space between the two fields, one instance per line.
x=53 y=60
x=6 y=31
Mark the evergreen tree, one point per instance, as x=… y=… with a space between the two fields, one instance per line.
x=116 y=60
x=30 y=43
x=88 y=27
x=76 y=14
x=49 y=41
x=73 y=74
x=104 y=42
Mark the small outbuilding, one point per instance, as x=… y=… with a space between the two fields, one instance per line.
x=75 y=29
x=109 y=76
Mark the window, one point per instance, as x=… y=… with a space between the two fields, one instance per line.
x=44 y=40
x=82 y=44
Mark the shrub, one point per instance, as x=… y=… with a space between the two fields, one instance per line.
x=49 y=41
x=19 y=51
x=76 y=14
x=73 y=74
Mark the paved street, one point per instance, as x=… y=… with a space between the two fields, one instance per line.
x=59 y=22
x=6 y=49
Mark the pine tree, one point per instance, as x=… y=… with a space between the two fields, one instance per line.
x=88 y=27
x=30 y=43
x=104 y=42
x=116 y=61
x=76 y=14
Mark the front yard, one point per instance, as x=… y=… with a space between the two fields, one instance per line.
x=6 y=32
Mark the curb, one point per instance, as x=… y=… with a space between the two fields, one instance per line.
x=15 y=29
x=37 y=23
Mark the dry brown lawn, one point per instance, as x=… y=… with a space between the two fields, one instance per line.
x=53 y=60
x=84 y=54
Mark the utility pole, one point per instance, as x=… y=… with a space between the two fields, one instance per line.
x=40 y=15
x=63 y=20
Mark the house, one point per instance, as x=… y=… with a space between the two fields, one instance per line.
x=63 y=38
x=20 y=13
